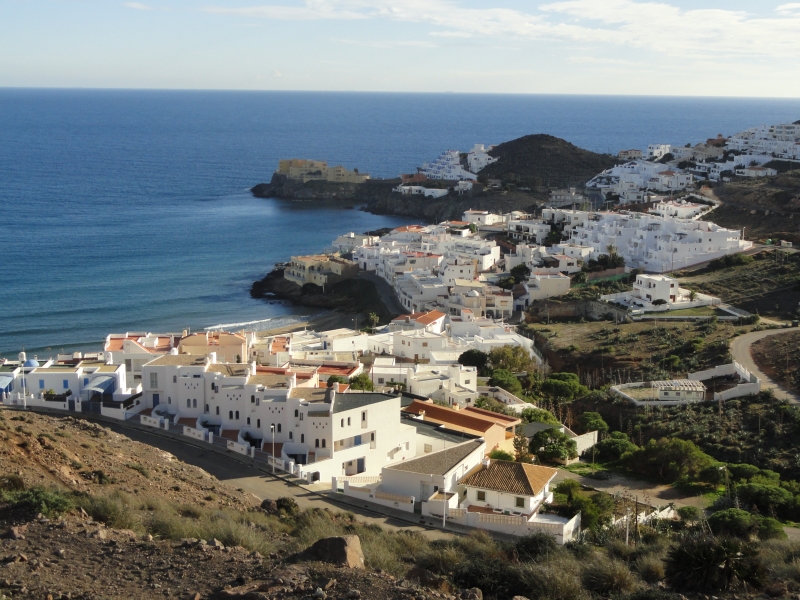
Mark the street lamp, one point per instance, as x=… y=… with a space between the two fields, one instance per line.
x=272 y=430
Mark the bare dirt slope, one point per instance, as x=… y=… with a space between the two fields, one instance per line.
x=779 y=357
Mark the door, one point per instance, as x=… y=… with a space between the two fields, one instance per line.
x=71 y=404
x=357 y=440
x=155 y=400
x=424 y=492
x=360 y=466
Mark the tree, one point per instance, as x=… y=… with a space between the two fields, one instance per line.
x=474 y=358
x=512 y=358
x=506 y=380
x=520 y=272
x=521 y=451
x=659 y=302
x=591 y=421
x=734 y=522
x=669 y=459
x=689 y=514
x=497 y=454
x=692 y=295
x=563 y=387
x=550 y=445
x=614 y=447
x=361 y=382
x=374 y=319
x=538 y=415
x=333 y=379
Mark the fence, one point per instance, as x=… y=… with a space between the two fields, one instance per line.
x=150 y=421
x=247 y=450
x=376 y=496
x=197 y=434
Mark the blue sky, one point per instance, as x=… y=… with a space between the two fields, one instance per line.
x=670 y=47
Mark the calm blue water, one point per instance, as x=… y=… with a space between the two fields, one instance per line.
x=126 y=210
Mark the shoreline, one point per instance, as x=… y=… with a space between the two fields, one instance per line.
x=325 y=322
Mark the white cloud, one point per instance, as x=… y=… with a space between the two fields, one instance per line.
x=137 y=6
x=647 y=25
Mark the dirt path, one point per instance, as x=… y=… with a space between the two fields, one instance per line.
x=740 y=350
x=646 y=491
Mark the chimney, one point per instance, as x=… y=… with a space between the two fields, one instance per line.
x=486 y=461
x=212 y=358
x=330 y=395
x=291 y=380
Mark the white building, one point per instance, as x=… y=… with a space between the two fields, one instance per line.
x=568 y=197
x=680 y=209
x=529 y=231
x=658 y=151
x=756 y=172
x=482 y=217
x=657 y=244
x=659 y=292
x=333 y=434
x=629 y=154
x=350 y=241
x=479 y=157
x=418 y=190
x=447 y=166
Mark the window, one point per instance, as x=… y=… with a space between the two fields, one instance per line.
x=316 y=443
x=481 y=496
x=252 y=399
x=41 y=384
x=342 y=424
x=520 y=503
x=363 y=416
x=66 y=384
x=174 y=379
x=372 y=437
x=323 y=442
x=153 y=381
x=296 y=412
x=248 y=420
x=279 y=427
x=194 y=403
x=466 y=382
x=218 y=411
x=348 y=420
x=291 y=435
x=230 y=414
x=424 y=344
x=427 y=448
x=188 y=403
x=86 y=380
x=301 y=416
x=302 y=438
x=380 y=379
x=237 y=415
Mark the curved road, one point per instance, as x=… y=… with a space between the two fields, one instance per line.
x=740 y=350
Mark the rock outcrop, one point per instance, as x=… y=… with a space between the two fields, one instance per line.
x=343 y=550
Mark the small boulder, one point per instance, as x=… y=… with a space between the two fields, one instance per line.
x=472 y=594
x=269 y=506
x=17 y=532
x=215 y=543
x=319 y=593
x=355 y=594
x=343 y=550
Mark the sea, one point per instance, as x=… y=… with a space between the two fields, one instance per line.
x=125 y=210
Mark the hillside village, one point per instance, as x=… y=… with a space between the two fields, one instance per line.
x=456 y=409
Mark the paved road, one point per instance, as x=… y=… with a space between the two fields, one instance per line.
x=385 y=290
x=740 y=350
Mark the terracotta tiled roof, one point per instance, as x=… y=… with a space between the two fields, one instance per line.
x=498 y=418
x=453 y=419
x=511 y=477
x=428 y=318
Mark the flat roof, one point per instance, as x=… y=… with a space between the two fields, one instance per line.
x=183 y=360
x=437 y=431
x=353 y=400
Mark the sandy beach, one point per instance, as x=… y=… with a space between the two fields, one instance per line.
x=326 y=322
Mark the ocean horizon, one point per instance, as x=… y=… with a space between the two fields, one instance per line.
x=129 y=210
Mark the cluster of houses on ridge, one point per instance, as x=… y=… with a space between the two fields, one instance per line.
x=294 y=419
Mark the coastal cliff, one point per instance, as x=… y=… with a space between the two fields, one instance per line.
x=351 y=295
x=533 y=162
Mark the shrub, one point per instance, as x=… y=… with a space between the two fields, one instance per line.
x=689 y=514
x=535 y=546
x=288 y=505
x=564 y=387
x=551 y=444
x=669 y=459
x=538 y=415
x=39 y=500
x=708 y=564
x=607 y=577
x=650 y=568
x=591 y=421
x=139 y=469
x=771 y=529
x=11 y=483
x=733 y=522
x=506 y=380
x=552 y=582
x=498 y=454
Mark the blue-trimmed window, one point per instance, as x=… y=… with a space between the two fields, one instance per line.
x=66 y=384
x=41 y=384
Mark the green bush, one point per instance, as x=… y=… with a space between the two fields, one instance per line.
x=38 y=500
x=506 y=380
x=771 y=529
x=591 y=421
x=733 y=522
x=669 y=459
x=498 y=454
x=614 y=447
x=288 y=505
x=564 y=387
x=538 y=415
x=551 y=445
x=712 y=565
x=11 y=483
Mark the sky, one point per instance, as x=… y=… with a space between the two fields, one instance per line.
x=624 y=47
